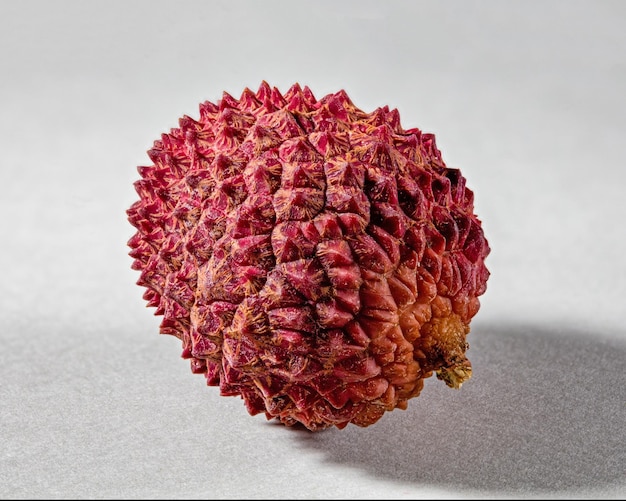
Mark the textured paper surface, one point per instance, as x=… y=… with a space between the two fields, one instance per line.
x=528 y=101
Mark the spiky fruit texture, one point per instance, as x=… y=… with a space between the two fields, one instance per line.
x=317 y=260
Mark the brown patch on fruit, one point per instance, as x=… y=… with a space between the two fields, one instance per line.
x=442 y=346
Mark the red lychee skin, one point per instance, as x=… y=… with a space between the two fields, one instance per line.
x=317 y=260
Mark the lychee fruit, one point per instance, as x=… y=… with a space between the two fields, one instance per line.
x=316 y=260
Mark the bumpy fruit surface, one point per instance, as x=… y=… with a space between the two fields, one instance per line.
x=314 y=259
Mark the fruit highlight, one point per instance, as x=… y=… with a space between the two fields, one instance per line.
x=318 y=261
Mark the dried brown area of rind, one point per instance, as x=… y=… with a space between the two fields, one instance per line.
x=316 y=260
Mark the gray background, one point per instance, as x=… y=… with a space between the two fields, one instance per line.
x=527 y=98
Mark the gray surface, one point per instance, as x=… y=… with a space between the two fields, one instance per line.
x=527 y=98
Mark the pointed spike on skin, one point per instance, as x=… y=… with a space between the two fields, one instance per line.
x=296 y=100
x=246 y=93
x=264 y=89
x=294 y=90
x=393 y=119
x=248 y=100
x=144 y=171
x=343 y=97
x=308 y=96
x=277 y=99
x=228 y=101
x=318 y=261
x=186 y=121
x=208 y=112
x=263 y=94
